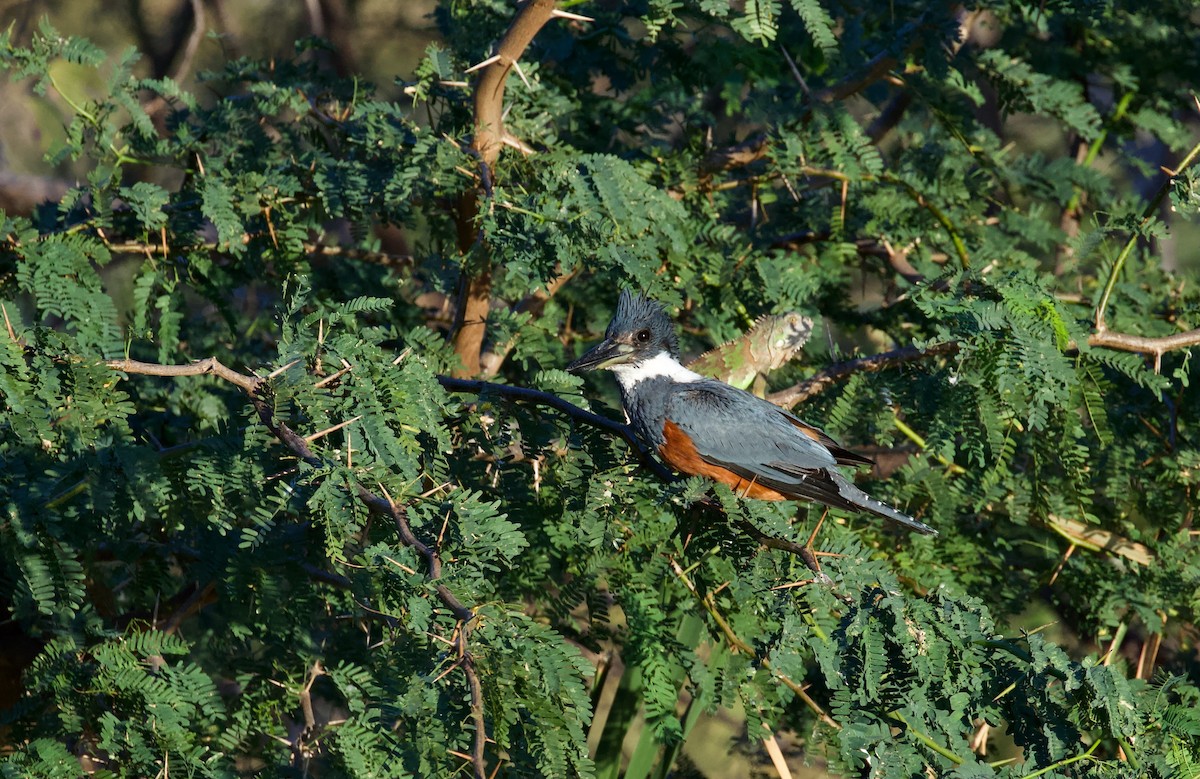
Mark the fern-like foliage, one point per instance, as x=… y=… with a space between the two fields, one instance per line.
x=362 y=567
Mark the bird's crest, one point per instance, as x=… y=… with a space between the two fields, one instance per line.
x=635 y=312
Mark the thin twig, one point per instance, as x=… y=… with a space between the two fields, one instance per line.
x=795 y=70
x=255 y=388
x=386 y=259
x=798 y=393
x=739 y=645
x=1147 y=215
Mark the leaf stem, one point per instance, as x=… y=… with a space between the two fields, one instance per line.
x=738 y=644
x=1098 y=143
x=1062 y=763
x=926 y=739
x=1147 y=215
x=80 y=110
x=915 y=437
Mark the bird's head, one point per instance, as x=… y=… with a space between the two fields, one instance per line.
x=639 y=331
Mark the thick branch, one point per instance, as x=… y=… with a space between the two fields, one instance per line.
x=801 y=392
x=189 y=52
x=1124 y=342
x=475 y=293
x=248 y=384
x=489 y=90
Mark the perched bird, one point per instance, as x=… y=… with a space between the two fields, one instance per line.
x=705 y=427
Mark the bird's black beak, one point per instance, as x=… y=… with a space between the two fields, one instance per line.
x=603 y=355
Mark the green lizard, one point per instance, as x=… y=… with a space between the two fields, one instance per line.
x=745 y=361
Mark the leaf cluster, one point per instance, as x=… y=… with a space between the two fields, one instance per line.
x=200 y=596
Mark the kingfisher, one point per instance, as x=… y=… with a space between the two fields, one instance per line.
x=705 y=427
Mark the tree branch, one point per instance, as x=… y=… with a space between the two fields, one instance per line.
x=256 y=389
x=385 y=259
x=1147 y=214
x=874 y=70
x=248 y=384
x=755 y=147
x=476 y=387
x=739 y=155
x=491 y=362
x=475 y=293
x=1124 y=342
x=489 y=89
x=798 y=393
x=158 y=102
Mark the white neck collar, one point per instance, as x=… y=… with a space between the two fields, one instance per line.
x=660 y=365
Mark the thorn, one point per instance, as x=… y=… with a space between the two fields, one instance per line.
x=438 y=488
x=402 y=567
x=484 y=64
x=521 y=73
x=328 y=430
x=271 y=375
x=568 y=15
x=332 y=378
x=515 y=142
x=794 y=585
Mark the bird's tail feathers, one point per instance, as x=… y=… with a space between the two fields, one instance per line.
x=829 y=486
x=864 y=501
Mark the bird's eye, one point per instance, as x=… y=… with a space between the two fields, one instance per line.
x=642 y=336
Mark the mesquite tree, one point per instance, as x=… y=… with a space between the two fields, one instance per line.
x=276 y=499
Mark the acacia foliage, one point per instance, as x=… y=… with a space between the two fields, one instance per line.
x=202 y=599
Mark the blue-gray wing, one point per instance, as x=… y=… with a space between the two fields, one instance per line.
x=742 y=432
x=764 y=444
